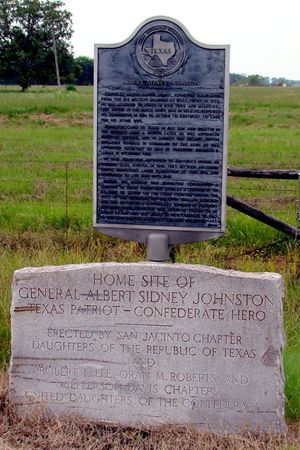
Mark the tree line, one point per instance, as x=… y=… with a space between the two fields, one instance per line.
x=35 y=45
x=259 y=80
x=35 y=48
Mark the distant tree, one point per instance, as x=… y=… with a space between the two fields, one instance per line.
x=34 y=41
x=258 y=80
x=280 y=81
x=294 y=83
x=85 y=69
x=236 y=78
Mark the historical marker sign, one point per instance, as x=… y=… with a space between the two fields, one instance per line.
x=149 y=344
x=161 y=102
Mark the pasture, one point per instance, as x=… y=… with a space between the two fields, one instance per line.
x=46 y=140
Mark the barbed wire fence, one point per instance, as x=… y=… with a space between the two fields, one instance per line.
x=60 y=193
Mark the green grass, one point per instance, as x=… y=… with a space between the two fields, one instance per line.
x=292 y=381
x=46 y=196
x=52 y=128
x=264 y=127
x=44 y=100
x=57 y=143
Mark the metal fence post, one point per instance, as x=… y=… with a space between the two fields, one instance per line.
x=298 y=199
x=66 y=194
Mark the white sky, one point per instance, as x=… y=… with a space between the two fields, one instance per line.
x=264 y=35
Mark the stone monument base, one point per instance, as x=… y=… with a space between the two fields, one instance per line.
x=149 y=344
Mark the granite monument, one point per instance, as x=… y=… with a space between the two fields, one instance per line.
x=150 y=343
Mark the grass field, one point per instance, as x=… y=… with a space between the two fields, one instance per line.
x=46 y=194
x=46 y=153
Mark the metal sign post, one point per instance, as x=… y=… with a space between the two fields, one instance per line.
x=160 y=142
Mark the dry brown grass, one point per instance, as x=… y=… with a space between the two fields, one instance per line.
x=79 y=119
x=36 y=432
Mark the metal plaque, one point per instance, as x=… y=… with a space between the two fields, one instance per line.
x=161 y=115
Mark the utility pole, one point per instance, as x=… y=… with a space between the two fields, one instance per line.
x=55 y=58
